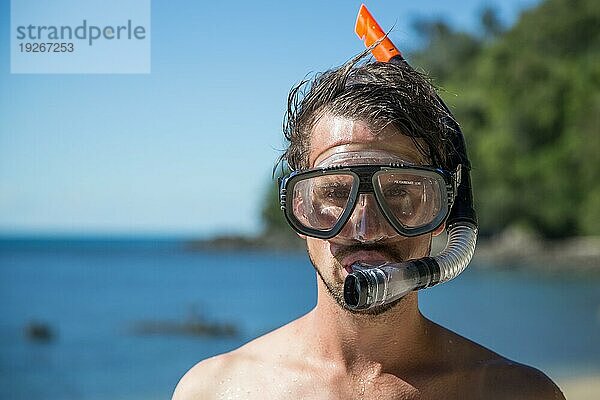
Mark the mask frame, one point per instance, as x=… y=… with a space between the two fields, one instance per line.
x=365 y=178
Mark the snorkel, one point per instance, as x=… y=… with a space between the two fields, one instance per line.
x=370 y=286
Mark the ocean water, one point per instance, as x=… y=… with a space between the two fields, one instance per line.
x=93 y=292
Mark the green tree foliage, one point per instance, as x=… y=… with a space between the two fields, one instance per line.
x=528 y=100
x=275 y=227
x=272 y=216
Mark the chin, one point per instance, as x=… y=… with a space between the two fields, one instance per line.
x=334 y=282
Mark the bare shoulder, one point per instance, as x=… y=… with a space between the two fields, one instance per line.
x=201 y=381
x=486 y=374
x=505 y=379
x=231 y=375
x=242 y=373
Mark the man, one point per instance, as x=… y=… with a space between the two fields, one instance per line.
x=374 y=113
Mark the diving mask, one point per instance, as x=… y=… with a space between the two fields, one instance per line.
x=332 y=198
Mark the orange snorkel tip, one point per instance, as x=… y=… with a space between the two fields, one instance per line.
x=369 y=31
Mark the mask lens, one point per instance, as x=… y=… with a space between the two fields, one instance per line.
x=413 y=199
x=320 y=201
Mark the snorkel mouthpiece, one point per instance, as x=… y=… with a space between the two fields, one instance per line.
x=358 y=291
x=370 y=286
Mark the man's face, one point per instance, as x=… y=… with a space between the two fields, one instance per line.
x=332 y=258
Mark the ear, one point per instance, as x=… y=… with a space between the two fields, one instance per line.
x=439 y=230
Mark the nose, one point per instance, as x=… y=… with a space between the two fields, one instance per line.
x=367 y=224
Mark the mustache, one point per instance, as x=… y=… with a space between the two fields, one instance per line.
x=386 y=251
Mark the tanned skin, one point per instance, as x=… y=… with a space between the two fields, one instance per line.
x=332 y=353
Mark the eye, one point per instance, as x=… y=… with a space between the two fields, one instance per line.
x=334 y=191
x=397 y=190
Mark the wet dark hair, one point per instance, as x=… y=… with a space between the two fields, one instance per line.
x=379 y=94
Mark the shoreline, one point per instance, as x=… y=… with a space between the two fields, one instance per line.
x=513 y=250
x=577 y=257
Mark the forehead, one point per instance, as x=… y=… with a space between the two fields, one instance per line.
x=332 y=134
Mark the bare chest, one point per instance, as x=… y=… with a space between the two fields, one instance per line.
x=301 y=386
x=284 y=384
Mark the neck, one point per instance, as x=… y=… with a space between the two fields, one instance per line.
x=394 y=340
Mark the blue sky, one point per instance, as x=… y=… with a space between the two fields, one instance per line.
x=187 y=149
